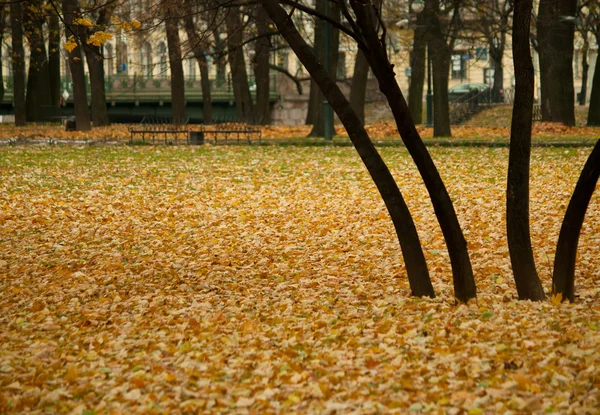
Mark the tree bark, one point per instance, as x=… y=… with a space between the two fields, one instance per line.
x=526 y=278
x=38 y=93
x=318 y=129
x=496 y=55
x=440 y=61
x=262 y=50
x=175 y=63
x=18 y=62
x=462 y=271
x=82 y=112
x=54 y=57
x=199 y=48
x=358 y=90
x=417 y=66
x=237 y=63
x=405 y=229
x=555 y=40
x=563 y=278
x=594 y=109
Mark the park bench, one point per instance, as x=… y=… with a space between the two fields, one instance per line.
x=157 y=127
x=226 y=132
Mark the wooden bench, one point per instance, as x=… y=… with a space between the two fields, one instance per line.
x=154 y=126
x=226 y=132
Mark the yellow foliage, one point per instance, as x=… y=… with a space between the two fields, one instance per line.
x=70 y=44
x=84 y=21
x=99 y=38
x=557 y=299
x=136 y=24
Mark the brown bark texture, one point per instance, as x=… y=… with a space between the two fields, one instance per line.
x=18 y=62
x=237 y=63
x=358 y=90
x=175 y=63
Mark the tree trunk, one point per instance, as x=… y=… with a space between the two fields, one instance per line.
x=417 y=67
x=261 y=68
x=358 y=91
x=318 y=129
x=237 y=63
x=440 y=61
x=315 y=97
x=175 y=63
x=526 y=278
x=594 y=109
x=496 y=55
x=54 y=57
x=18 y=62
x=199 y=48
x=563 y=278
x=38 y=93
x=95 y=62
x=555 y=39
x=82 y=112
x=585 y=67
x=405 y=229
x=462 y=271
x=219 y=57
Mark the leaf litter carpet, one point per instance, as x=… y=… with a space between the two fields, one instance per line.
x=269 y=280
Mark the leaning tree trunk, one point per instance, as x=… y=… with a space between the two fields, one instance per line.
x=82 y=112
x=417 y=66
x=54 y=57
x=563 y=278
x=358 y=92
x=440 y=61
x=175 y=63
x=199 y=48
x=38 y=93
x=237 y=63
x=462 y=271
x=526 y=278
x=405 y=229
x=261 y=68
x=594 y=109
x=18 y=62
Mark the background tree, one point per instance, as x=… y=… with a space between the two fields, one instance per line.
x=441 y=35
x=594 y=109
x=517 y=194
x=2 y=27
x=92 y=48
x=38 y=97
x=555 y=35
x=82 y=113
x=18 y=62
x=54 y=57
x=493 y=21
x=417 y=66
x=237 y=64
x=358 y=92
x=262 y=54
x=316 y=98
x=199 y=46
x=172 y=16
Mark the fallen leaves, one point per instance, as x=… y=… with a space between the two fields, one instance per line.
x=269 y=280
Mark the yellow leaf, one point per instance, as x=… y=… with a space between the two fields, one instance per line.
x=84 y=21
x=136 y=24
x=557 y=299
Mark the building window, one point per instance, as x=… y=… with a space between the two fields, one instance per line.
x=109 y=59
x=459 y=66
x=122 y=58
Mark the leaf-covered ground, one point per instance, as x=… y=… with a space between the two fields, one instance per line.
x=253 y=279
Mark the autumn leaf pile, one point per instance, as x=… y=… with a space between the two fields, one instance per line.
x=249 y=279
